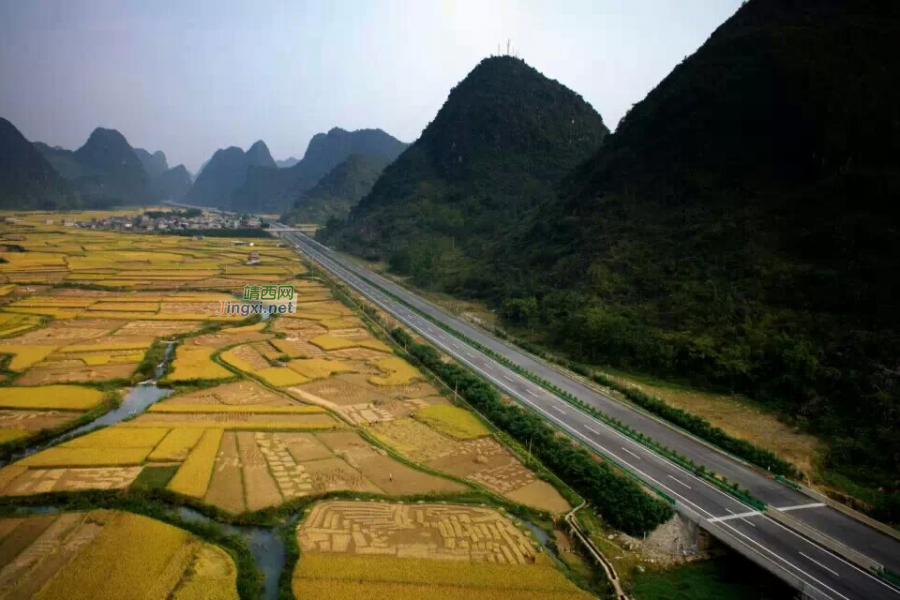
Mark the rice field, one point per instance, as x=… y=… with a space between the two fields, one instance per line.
x=193 y=363
x=108 y=554
x=281 y=421
x=193 y=477
x=59 y=397
x=453 y=421
x=375 y=550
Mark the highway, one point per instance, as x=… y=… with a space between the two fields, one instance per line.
x=809 y=567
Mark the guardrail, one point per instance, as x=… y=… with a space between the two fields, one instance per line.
x=700 y=471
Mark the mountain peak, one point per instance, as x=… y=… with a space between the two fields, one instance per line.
x=107 y=148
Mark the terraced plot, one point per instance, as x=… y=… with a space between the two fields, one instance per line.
x=376 y=550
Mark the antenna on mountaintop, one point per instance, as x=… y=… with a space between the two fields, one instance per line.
x=507 y=47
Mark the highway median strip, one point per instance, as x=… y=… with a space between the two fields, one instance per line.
x=699 y=470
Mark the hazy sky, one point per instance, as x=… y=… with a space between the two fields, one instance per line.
x=188 y=77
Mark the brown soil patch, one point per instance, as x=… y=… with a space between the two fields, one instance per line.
x=63 y=373
x=292 y=478
x=342 y=390
x=34 y=421
x=38 y=481
x=157 y=328
x=333 y=474
x=305 y=447
x=259 y=486
x=249 y=354
x=212 y=419
x=388 y=474
x=22 y=536
x=365 y=354
x=541 y=495
x=220 y=340
x=239 y=393
x=300 y=328
x=226 y=489
x=415 y=531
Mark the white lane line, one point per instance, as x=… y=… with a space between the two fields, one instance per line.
x=631 y=453
x=801 y=506
x=530 y=392
x=507 y=377
x=743 y=520
x=679 y=481
x=750 y=540
x=558 y=409
x=591 y=429
x=820 y=564
x=751 y=513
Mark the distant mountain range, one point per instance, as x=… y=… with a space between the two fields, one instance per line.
x=286 y=163
x=27 y=180
x=740 y=230
x=338 y=191
x=225 y=172
x=274 y=190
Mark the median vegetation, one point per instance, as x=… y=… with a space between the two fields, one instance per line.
x=619 y=500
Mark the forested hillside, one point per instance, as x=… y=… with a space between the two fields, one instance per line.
x=27 y=180
x=338 y=191
x=274 y=189
x=739 y=230
x=503 y=140
x=225 y=172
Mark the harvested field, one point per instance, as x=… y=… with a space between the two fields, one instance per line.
x=226 y=488
x=340 y=390
x=373 y=550
x=317 y=368
x=259 y=485
x=541 y=495
x=245 y=358
x=333 y=474
x=33 y=421
x=239 y=393
x=245 y=421
x=388 y=474
x=74 y=371
x=431 y=531
x=37 y=481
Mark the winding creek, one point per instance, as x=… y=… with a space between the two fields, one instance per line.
x=267 y=548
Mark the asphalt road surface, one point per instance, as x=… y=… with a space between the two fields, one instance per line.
x=818 y=572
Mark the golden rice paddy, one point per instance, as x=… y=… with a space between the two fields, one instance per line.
x=108 y=554
x=287 y=418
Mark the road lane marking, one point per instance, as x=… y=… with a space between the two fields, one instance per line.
x=742 y=520
x=558 y=409
x=508 y=378
x=631 y=453
x=666 y=463
x=800 y=506
x=743 y=515
x=680 y=481
x=820 y=564
x=589 y=428
x=530 y=392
